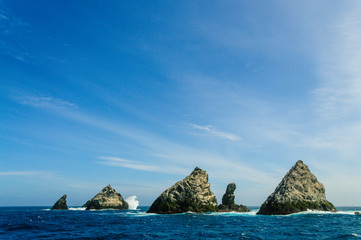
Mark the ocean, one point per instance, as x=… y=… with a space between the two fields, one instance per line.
x=41 y=223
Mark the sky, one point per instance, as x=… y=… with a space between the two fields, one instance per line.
x=136 y=94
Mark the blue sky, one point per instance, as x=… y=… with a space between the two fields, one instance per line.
x=137 y=93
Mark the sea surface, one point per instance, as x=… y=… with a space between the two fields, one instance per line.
x=41 y=223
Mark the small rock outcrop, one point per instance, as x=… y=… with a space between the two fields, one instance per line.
x=228 y=204
x=107 y=198
x=191 y=194
x=61 y=204
x=298 y=191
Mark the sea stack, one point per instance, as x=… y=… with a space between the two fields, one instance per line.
x=228 y=204
x=107 y=198
x=61 y=204
x=191 y=194
x=298 y=191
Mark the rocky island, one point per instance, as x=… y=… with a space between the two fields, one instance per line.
x=107 y=198
x=228 y=204
x=298 y=191
x=61 y=204
x=191 y=194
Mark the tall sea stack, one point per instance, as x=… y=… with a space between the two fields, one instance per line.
x=228 y=204
x=61 y=204
x=298 y=191
x=107 y=198
x=191 y=194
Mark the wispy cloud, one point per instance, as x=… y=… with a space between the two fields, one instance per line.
x=3 y=17
x=210 y=130
x=165 y=155
x=10 y=25
x=45 y=102
x=339 y=95
x=221 y=167
x=20 y=173
x=121 y=162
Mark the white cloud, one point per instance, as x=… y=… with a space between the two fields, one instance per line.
x=339 y=95
x=219 y=166
x=165 y=155
x=116 y=159
x=45 y=102
x=20 y=173
x=121 y=162
x=214 y=132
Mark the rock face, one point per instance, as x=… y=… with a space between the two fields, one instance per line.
x=298 y=191
x=108 y=198
x=191 y=194
x=228 y=204
x=61 y=204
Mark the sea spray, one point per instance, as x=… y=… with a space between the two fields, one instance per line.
x=132 y=202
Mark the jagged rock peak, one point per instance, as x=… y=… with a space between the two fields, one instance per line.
x=228 y=197
x=193 y=193
x=61 y=204
x=228 y=203
x=298 y=191
x=107 y=198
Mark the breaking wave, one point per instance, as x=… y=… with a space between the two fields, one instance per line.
x=132 y=202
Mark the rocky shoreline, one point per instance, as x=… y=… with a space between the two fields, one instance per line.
x=298 y=191
x=61 y=204
x=107 y=198
x=228 y=204
x=191 y=194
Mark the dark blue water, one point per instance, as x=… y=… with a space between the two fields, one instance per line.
x=40 y=223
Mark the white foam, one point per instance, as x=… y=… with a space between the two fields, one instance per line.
x=251 y=213
x=77 y=208
x=132 y=202
x=140 y=214
x=325 y=212
x=70 y=208
x=254 y=213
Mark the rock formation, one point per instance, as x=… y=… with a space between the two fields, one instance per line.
x=298 y=191
x=108 y=198
x=191 y=194
x=61 y=204
x=228 y=204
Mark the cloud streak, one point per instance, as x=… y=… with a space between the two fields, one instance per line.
x=339 y=95
x=125 y=163
x=121 y=162
x=210 y=130
x=45 y=102
x=20 y=173
x=162 y=155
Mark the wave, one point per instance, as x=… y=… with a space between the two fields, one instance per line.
x=77 y=208
x=132 y=202
x=70 y=208
x=254 y=213
x=251 y=213
x=324 y=212
x=142 y=213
